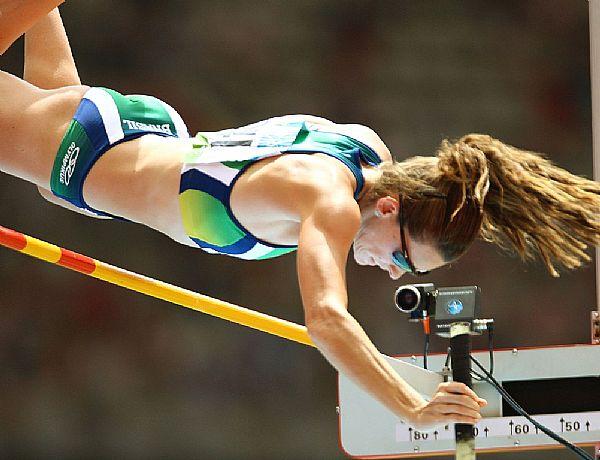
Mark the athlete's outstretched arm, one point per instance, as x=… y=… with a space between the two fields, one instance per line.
x=49 y=61
x=325 y=238
x=17 y=16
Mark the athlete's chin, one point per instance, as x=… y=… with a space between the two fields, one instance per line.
x=395 y=276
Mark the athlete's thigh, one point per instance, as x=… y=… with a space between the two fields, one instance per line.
x=32 y=123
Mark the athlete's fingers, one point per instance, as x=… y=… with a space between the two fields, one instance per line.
x=452 y=409
x=459 y=417
x=458 y=387
x=450 y=398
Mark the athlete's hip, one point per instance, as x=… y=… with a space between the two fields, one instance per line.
x=117 y=143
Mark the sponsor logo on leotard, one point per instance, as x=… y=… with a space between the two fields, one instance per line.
x=68 y=164
x=137 y=125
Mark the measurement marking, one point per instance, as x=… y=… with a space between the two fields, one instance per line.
x=508 y=427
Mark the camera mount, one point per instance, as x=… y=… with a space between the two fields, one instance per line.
x=454 y=311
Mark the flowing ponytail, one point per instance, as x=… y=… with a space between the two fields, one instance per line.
x=508 y=196
x=528 y=204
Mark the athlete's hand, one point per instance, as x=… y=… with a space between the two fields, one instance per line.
x=453 y=402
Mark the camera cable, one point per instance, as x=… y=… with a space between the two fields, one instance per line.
x=509 y=399
x=489 y=378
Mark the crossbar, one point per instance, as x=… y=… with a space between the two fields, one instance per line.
x=153 y=288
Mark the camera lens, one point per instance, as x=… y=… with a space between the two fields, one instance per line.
x=407 y=298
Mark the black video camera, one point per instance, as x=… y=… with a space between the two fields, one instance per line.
x=446 y=305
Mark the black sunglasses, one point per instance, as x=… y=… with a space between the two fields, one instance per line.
x=402 y=258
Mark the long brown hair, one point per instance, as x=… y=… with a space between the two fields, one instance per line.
x=514 y=198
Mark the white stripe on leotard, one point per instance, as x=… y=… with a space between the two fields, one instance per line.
x=210 y=251
x=217 y=171
x=109 y=113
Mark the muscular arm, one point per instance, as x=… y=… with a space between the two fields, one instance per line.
x=17 y=16
x=49 y=62
x=329 y=221
x=325 y=238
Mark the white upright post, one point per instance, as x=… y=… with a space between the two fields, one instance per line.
x=595 y=79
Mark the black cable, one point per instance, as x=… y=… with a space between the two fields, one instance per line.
x=480 y=378
x=490 y=329
x=447 y=363
x=490 y=379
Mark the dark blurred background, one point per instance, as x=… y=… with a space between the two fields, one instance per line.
x=89 y=370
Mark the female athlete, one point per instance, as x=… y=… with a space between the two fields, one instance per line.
x=293 y=183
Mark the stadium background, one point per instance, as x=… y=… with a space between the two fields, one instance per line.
x=89 y=370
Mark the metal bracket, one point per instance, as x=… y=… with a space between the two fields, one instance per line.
x=595 y=327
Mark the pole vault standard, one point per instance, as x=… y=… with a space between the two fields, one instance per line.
x=594 y=9
x=153 y=288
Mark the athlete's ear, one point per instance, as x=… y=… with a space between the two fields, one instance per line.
x=387 y=205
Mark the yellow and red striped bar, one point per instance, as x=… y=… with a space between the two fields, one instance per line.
x=151 y=287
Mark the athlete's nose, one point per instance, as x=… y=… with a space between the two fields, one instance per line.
x=395 y=272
